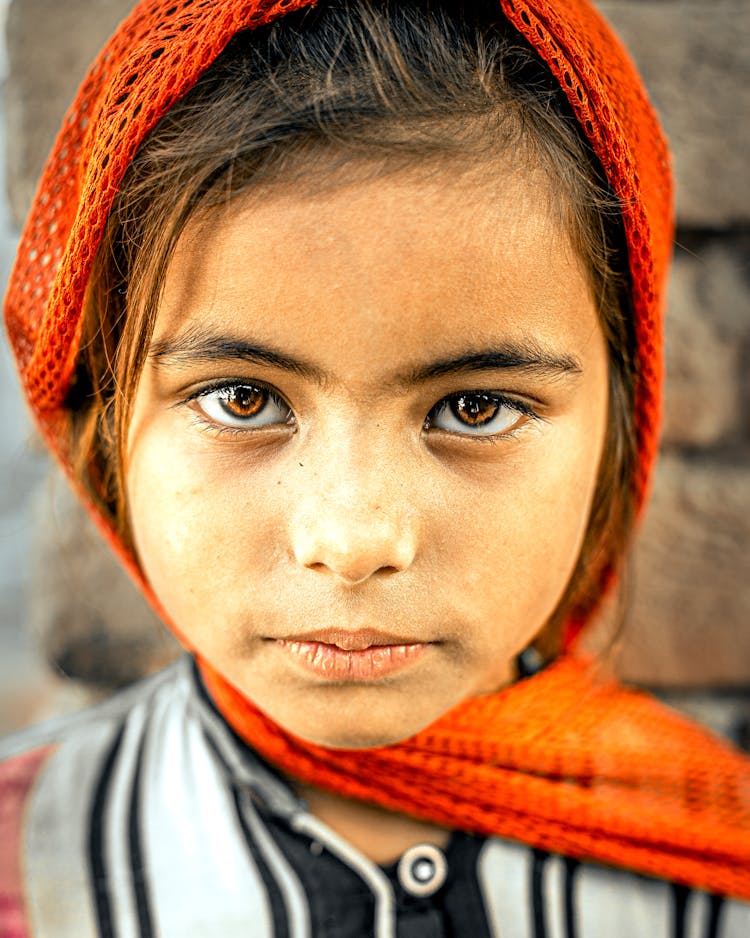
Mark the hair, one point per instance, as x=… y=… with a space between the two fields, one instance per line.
x=384 y=86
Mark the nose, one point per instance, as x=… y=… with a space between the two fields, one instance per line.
x=354 y=533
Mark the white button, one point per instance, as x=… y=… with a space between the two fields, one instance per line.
x=422 y=870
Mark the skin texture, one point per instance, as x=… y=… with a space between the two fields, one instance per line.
x=357 y=505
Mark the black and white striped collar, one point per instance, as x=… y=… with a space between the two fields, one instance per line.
x=244 y=767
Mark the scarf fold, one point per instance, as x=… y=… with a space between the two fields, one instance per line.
x=567 y=761
x=564 y=761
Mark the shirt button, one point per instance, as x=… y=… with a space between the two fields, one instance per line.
x=422 y=870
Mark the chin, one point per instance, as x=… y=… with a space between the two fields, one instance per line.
x=353 y=735
x=356 y=740
x=355 y=716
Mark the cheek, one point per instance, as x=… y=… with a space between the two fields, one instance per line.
x=163 y=504
x=517 y=539
x=202 y=540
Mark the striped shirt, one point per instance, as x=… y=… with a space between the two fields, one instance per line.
x=146 y=816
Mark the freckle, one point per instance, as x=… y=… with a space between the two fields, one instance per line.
x=301 y=465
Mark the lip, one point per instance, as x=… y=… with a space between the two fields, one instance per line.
x=365 y=655
x=348 y=640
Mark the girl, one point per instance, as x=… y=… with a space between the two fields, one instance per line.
x=343 y=318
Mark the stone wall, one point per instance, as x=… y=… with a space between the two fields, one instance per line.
x=689 y=625
x=691 y=616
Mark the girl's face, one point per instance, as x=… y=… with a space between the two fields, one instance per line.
x=365 y=443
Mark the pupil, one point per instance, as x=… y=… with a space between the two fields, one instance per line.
x=474 y=409
x=244 y=401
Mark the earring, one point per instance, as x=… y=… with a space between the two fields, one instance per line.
x=529 y=662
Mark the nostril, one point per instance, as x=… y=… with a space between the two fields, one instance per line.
x=352 y=573
x=352 y=545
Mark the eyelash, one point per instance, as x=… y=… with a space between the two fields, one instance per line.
x=499 y=401
x=520 y=407
x=206 y=423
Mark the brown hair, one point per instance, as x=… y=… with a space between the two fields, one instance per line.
x=389 y=86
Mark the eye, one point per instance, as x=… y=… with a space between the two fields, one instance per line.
x=243 y=406
x=477 y=413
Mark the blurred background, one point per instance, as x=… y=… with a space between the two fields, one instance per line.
x=71 y=626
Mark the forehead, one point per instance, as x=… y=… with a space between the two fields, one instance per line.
x=399 y=262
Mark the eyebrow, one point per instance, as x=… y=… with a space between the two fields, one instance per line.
x=197 y=346
x=529 y=359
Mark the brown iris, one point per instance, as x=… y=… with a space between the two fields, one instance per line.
x=474 y=409
x=243 y=401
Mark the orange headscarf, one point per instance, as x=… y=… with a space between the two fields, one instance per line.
x=563 y=760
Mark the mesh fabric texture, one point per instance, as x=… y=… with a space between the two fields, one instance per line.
x=562 y=761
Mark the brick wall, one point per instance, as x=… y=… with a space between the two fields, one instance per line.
x=691 y=616
x=689 y=625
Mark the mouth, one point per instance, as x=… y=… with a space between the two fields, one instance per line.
x=359 y=640
x=364 y=655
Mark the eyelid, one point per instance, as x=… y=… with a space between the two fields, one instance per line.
x=224 y=384
x=520 y=407
x=516 y=404
x=219 y=425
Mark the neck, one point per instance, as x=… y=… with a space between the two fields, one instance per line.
x=381 y=835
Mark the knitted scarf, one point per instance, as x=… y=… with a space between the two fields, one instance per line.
x=566 y=760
